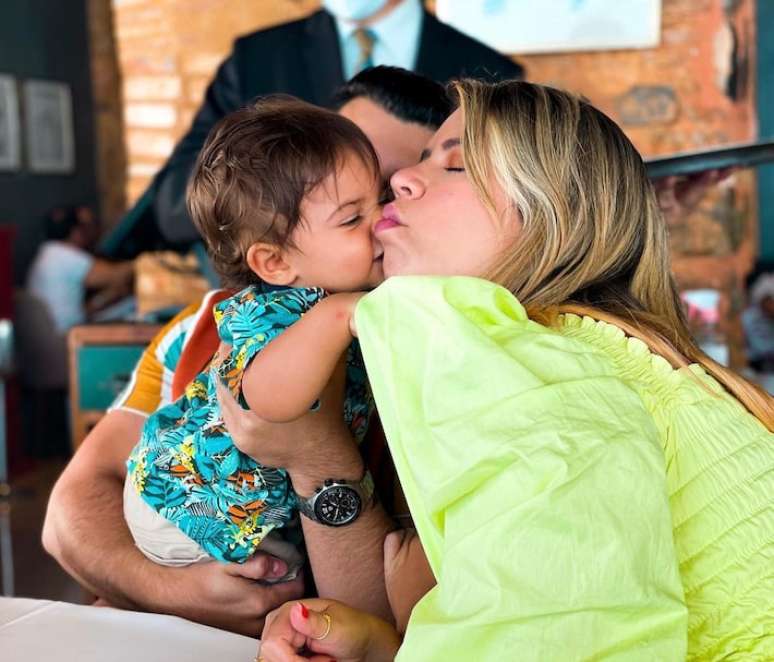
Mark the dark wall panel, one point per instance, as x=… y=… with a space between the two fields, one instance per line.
x=48 y=40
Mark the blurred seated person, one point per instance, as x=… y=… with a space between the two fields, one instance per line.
x=758 y=323
x=65 y=269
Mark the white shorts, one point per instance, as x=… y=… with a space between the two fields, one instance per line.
x=162 y=542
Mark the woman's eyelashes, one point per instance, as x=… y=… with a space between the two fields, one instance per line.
x=454 y=163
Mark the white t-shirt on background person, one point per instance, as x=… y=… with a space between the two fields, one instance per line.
x=57 y=278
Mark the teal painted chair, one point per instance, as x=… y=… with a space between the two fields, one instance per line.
x=102 y=359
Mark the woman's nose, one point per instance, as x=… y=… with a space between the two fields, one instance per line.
x=406 y=183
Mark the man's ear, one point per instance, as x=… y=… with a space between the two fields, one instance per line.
x=268 y=262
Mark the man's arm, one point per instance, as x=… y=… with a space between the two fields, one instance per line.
x=86 y=532
x=88 y=494
x=348 y=561
x=223 y=96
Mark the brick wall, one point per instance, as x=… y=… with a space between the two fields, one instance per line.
x=694 y=89
x=168 y=50
x=110 y=150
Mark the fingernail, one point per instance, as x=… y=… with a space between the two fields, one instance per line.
x=278 y=567
x=304 y=611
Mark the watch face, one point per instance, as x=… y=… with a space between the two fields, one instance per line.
x=337 y=505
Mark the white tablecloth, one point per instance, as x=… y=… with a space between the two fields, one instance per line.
x=43 y=631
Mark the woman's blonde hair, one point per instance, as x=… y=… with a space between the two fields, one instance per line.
x=593 y=241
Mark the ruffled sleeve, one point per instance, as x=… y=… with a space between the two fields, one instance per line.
x=535 y=478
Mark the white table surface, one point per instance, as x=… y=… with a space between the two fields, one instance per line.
x=44 y=631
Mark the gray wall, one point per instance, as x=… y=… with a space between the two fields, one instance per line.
x=47 y=39
x=765 y=88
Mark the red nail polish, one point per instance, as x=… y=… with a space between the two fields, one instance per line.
x=304 y=611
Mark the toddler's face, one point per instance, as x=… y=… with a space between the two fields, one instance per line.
x=334 y=246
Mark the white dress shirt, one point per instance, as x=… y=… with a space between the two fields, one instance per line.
x=396 y=38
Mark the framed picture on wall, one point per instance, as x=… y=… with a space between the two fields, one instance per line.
x=525 y=26
x=10 y=137
x=48 y=113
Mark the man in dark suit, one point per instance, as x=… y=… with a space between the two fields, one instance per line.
x=308 y=59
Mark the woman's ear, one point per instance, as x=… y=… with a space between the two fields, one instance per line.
x=268 y=262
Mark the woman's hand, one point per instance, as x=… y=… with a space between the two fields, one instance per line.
x=679 y=196
x=407 y=574
x=327 y=630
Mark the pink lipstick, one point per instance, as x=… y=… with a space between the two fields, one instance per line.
x=390 y=219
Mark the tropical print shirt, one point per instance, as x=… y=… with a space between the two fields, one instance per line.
x=186 y=466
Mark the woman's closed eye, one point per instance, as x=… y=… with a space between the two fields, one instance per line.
x=453 y=162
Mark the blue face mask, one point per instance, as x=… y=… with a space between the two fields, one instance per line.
x=353 y=10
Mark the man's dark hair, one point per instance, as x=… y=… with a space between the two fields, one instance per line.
x=410 y=97
x=60 y=222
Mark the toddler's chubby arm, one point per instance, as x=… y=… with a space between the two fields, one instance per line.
x=288 y=375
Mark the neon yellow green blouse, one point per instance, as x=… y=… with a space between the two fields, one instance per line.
x=576 y=496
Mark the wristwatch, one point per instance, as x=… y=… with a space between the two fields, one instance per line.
x=338 y=502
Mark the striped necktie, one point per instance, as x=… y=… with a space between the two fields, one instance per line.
x=365 y=40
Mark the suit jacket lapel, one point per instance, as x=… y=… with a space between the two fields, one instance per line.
x=322 y=57
x=430 y=58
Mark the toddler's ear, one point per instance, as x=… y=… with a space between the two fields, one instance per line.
x=268 y=262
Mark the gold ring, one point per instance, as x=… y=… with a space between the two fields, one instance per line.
x=327 y=618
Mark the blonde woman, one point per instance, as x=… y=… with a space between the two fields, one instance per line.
x=585 y=483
